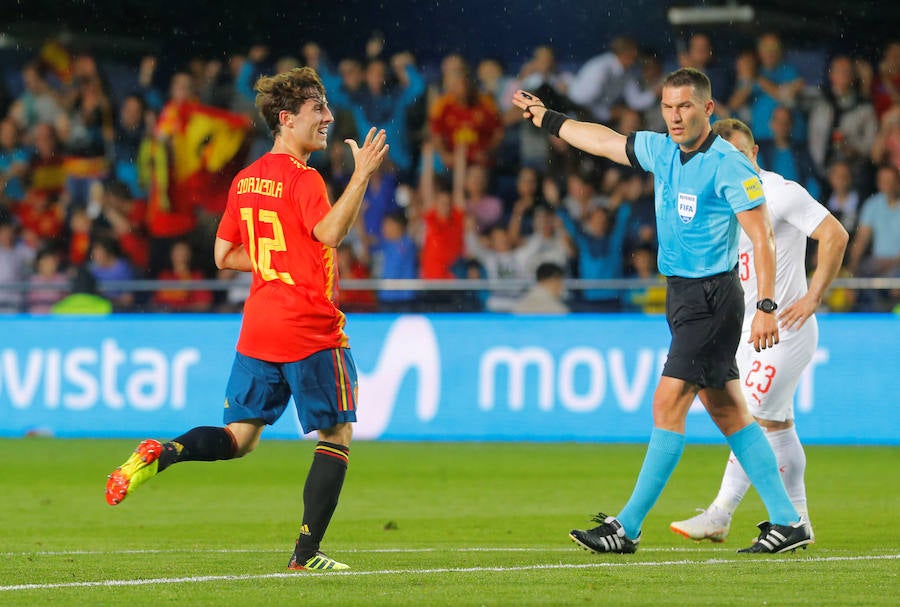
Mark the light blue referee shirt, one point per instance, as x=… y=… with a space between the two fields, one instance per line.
x=697 y=197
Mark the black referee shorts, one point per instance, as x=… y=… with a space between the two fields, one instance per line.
x=705 y=316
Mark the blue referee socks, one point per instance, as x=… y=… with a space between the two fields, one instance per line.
x=755 y=454
x=663 y=452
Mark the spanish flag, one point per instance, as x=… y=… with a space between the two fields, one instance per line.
x=195 y=153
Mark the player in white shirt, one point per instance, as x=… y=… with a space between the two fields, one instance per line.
x=770 y=376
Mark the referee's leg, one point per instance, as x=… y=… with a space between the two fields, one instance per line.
x=728 y=410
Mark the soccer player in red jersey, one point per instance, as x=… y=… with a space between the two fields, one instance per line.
x=279 y=225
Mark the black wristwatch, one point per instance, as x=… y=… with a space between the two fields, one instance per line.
x=766 y=305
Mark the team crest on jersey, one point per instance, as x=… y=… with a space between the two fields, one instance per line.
x=753 y=188
x=687 y=206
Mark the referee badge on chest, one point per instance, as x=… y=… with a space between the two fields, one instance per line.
x=687 y=206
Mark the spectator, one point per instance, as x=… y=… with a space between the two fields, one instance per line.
x=79 y=237
x=46 y=176
x=485 y=208
x=48 y=284
x=216 y=87
x=379 y=201
x=600 y=248
x=546 y=296
x=746 y=66
x=609 y=80
x=86 y=131
x=464 y=116
x=182 y=269
x=886 y=149
x=885 y=89
x=15 y=258
x=493 y=81
x=352 y=86
x=108 y=264
x=844 y=199
x=443 y=216
x=123 y=216
x=776 y=84
x=127 y=144
x=247 y=71
x=630 y=121
x=452 y=65
x=146 y=84
x=40 y=217
x=650 y=299
x=636 y=189
x=471 y=300
x=698 y=54
x=785 y=156
x=13 y=163
x=349 y=266
x=39 y=103
x=528 y=199
x=547 y=244
x=377 y=103
x=171 y=215
x=581 y=196
x=541 y=75
x=651 y=77
x=842 y=123
x=395 y=257
x=879 y=226
x=500 y=261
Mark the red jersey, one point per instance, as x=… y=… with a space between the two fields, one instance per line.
x=443 y=243
x=474 y=126
x=273 y=206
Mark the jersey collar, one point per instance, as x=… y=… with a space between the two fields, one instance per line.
x=707 y=143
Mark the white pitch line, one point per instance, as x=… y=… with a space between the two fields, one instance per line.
x=351 y=550
x=268 y=576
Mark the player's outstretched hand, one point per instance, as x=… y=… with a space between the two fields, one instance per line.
x=532 y=108
x=368 y=157
x=763 y=331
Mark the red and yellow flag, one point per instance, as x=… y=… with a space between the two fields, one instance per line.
x=196 y=153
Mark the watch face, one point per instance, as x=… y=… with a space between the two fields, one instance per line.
x=766 y=305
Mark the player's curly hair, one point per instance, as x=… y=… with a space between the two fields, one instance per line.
x=286 y=91
x=688 y=76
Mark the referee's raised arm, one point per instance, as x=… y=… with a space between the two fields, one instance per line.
x=586 y=136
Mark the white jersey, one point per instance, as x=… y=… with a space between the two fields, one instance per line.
x=770 y=377
x=795 y=215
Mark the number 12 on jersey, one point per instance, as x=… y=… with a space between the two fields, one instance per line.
x=261 y=249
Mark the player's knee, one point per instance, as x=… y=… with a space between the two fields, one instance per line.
x=339 y=434
x=245 y=448
x=774 y=426
x=245 y=436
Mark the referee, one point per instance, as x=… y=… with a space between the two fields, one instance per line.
x=705 y=192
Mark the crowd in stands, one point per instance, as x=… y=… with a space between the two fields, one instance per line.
x=91 y=183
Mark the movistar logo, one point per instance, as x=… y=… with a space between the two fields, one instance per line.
x=410 y=345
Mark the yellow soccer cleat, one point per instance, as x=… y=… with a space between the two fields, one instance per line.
x=317 y=562
x=140 y=466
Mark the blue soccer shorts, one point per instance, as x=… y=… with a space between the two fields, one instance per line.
x=324 y=387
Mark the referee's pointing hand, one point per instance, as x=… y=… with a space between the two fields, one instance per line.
x=533 y=108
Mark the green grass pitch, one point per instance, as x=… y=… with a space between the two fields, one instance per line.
x=427 y=524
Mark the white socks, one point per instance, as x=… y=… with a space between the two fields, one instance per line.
x=791 y=464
